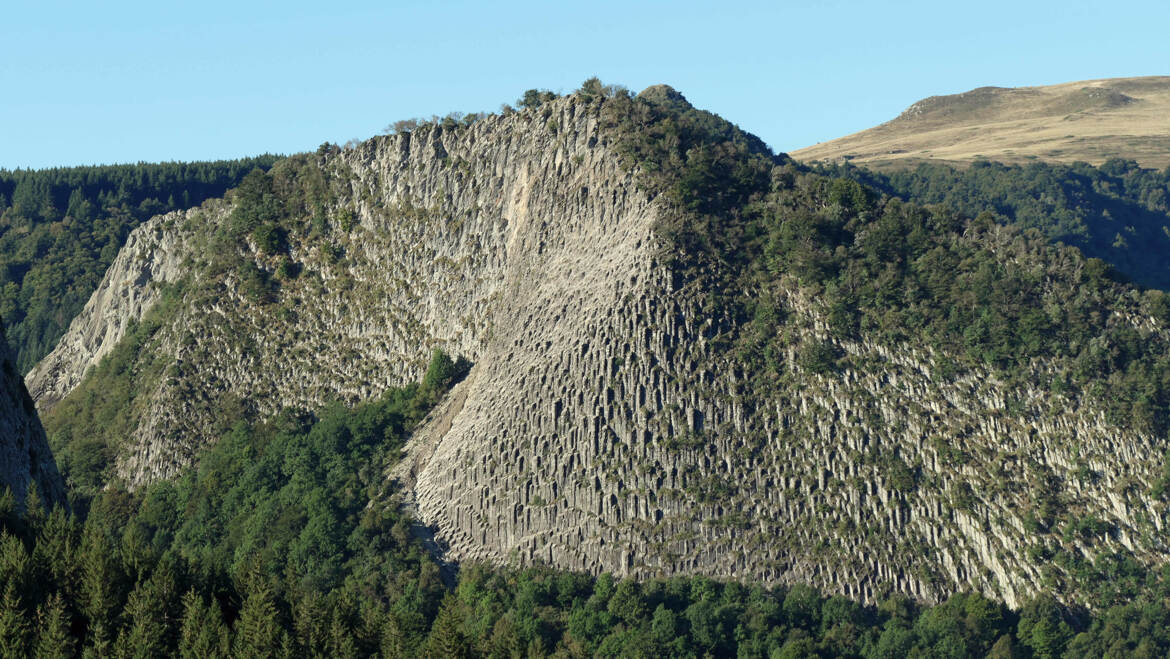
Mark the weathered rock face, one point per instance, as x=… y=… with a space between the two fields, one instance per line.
x=25 y=458
x=451 y=227
x=603 y=425
x=151 y=256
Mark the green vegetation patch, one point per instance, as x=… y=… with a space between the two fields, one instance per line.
x=1118 y=212
x=87 y=429
x=125 y=582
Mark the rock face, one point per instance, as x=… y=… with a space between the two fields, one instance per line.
x=151 y=256
x=603 y=425
x=25 y=458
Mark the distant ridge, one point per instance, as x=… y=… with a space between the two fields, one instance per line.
x=1091 y=121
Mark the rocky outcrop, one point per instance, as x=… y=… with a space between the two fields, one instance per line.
x=151 y=257
x=605 y=425
x=25 y=458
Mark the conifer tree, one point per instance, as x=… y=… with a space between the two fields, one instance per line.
x=34 y=509
x=288 y=646
x=368 y=629
x=53 y=640
x=98 y=645
x=258 y=632
x=446 y=638
x=1003 y=649
x=137 y=555
x=13 y=624
x=536 y=648
x=55 y=552
x=393 y=640
x=341 y=638
x=1042 y=628
x=15 y=562
x=203 y=633
x=309 y=620
x=504 y=642
x=8 y=517
x=146 y=630
x=100 y=586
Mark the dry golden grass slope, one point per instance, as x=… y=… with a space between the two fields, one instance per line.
x=1092 y=121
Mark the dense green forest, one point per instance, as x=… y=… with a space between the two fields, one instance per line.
x=61 y=228
x=283 y=541
x=1117 y=212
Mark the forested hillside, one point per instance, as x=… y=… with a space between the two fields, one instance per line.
x=1117 y=212
x=61 y=228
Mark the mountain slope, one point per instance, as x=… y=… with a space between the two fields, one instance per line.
x=1091 y=121
x=689 y=356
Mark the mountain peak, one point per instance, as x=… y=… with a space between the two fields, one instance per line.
x=665 y=97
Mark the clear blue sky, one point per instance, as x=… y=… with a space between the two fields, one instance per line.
x=90 y=82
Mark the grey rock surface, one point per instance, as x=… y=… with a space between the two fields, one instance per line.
x=25 y=458
x=152 y=256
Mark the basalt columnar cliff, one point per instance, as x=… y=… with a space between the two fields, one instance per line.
x=689 y=355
